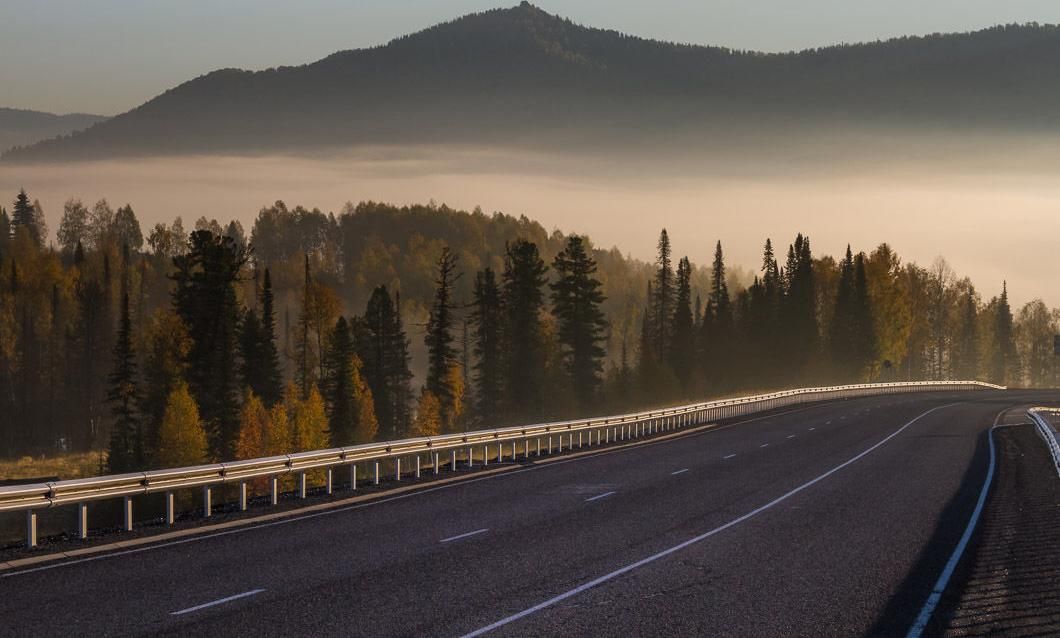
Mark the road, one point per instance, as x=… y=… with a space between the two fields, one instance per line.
x=830 y=519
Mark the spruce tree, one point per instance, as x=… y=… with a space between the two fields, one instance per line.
x=384 y=351
x=864 y=327
x=576 y=299
x=205 y=299
x=683 y=343
x=1004 y=347
x=966 y=352
x=663 y=302
x=126 y=450
x=24 y=215
x=488 y=318
x=351 y=414
x=523 y=280
x=841 y=335
x=441 y=354
x=271 y=378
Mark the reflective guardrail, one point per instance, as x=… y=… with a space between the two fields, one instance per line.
x=456 y=447
x=1042 y=419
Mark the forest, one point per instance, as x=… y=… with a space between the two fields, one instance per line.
x=174 y=346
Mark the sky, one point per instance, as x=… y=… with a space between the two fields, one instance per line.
x=107 y=56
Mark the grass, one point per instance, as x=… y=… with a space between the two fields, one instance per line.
x=65 y=466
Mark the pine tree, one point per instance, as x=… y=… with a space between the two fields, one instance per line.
x=966 y=352
x=303 y=353
x=251 y=368
x=181 y=437
x=271 y=377
x=682 y=350
x=523 y=280
x=663 y=301
x=351 y=414
x=384 y=351
x=487 y=316
x=25 y=215
x=576 y=299
x=441 y=355
x=204 y=297
x=1003 y=361
x=126 y=451
x=841 y=330
x=864 y=328
x=798 y=315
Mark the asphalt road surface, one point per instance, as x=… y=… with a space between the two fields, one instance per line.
x=828 y=520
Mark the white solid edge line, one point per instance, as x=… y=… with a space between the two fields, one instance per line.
x=681 y=471
x=216 y=602
x=593 y=498
x=465 y=535
x=696 y=539
x=944 y=578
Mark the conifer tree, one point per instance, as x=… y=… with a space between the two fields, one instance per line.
x=488 y=318
x=524 y=278
x=966 y=352
x=682 y=350
x=271 y=377
x=351 y=413
x=384 y=352
x=126 y=450
x=25 y=215
x=441 y=354
x=663 y=301
x=1003 y=360
x=576 y=299
x=204 y=297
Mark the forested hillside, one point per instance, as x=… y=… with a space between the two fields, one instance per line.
x=523 y=77
x=176 y=345
x=19 y=127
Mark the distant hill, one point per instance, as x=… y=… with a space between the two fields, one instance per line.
x=521 y=76
x=21 y=128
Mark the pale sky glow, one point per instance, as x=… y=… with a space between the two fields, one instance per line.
x=107 y=56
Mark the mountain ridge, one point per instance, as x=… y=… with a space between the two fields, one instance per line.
x=523 y=76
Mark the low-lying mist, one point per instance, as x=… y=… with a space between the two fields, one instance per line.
x=986 y=203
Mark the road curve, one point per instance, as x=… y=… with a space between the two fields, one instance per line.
x=831 y=519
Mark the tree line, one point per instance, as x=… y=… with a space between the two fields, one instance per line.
x=183 y=347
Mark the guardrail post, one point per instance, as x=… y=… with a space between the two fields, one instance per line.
x=171 y=513
x=31 y=529
x=452 y=456
x=274 y=489
x=301 y=484
x=82 y=520
x=550 y=444
x=526 y=448
x=127 y=513
x=436 y=463
x=500 y=453
x=329 y=485
x=353 y=477
x=375 y=479
x=207 y=506
x=579 y=440
x=242 y=496
x=397 y=469
x=485 y=454
x=417 y=466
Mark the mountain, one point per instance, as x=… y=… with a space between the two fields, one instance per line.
x=20 y=127
x=521 y=76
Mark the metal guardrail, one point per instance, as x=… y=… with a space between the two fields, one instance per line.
x=1041 y=417
x=458 y=447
